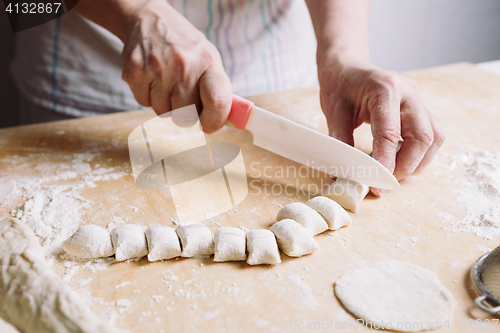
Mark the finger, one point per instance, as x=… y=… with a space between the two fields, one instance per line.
x=439 y=138
x=340 y=123
x=184 y=94
x=160 y=96
x=384 y=109
x=141 y=92
x=418 y=136
x=136 y=76
x=216 y=98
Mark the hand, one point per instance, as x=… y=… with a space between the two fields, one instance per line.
x=169 y=64
x=354 y=91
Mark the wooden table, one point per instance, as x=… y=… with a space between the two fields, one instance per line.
x=200 y=295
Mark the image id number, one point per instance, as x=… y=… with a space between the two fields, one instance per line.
x=33 y=8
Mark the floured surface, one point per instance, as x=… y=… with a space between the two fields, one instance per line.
x=83 y=167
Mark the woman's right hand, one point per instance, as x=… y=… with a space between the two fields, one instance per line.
x=169 y=64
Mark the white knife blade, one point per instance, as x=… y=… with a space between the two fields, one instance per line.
x=311 y=148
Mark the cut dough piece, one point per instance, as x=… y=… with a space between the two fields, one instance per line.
x=89 y=242
x=347 y=193
x=196 y=240
x=32 y=297
x=397 y=293
x=305 y=216
x=262 y=247
x=163 y=243
x=5 y=327
x=334 y=215
x=230 y=244
x=293 y=239
x=129 y=242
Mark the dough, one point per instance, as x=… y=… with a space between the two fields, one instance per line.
x=230 y=244
x=163 y=243
x=129 y=242
x=32 y=297
x=304 y=215
x=196 y=240
x=5 y=327
x=88 y=242
x=334 y=215
x=293 y=239
x=397 y=293
x=347 y=193
x=262 y=247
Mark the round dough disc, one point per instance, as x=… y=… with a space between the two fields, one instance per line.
x=402 y=296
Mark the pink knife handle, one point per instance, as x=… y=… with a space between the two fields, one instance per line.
x=240 y=112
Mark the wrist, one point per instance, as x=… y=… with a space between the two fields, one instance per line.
x=340 y=55
x=136 y=13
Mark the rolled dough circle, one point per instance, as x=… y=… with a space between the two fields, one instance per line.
x=391 y=293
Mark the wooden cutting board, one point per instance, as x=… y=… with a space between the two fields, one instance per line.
x=200 y=295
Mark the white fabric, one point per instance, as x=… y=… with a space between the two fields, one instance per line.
x=73 y=66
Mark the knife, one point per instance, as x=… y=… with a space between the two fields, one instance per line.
x=308 y=147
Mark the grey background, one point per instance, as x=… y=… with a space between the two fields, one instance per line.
x=404 y=35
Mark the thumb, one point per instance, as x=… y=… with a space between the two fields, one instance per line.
x=216 y=97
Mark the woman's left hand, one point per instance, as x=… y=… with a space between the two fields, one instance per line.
x=353 y=91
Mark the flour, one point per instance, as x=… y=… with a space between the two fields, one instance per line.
x=5 y=189
x=308 y=298
x=52 y=206
x=480 y=192
x=53 y=216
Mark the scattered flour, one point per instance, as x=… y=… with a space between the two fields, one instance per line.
x=157 y=298
x=53 y=211
x=211 y=314
x=49 y=202
x=480 y=192
x=308 y=298
x=261 y=323
x=126 y=283
x=123 y=302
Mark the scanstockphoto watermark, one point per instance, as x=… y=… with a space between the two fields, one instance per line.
x=310 y=170
x=293 y=180
x=327 y=324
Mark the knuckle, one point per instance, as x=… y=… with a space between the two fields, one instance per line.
x=209 y=55
x=439 y=137
x=387 y=80
x=154 y=63
x=218 y=101
x=133 y=68
x=413 y=85
x=390 y=135
x=426 y=137
x=184 y=64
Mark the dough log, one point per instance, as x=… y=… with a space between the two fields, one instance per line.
x=32 y=297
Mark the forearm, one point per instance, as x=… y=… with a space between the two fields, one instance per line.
x=115 y=15
x=341 y=26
